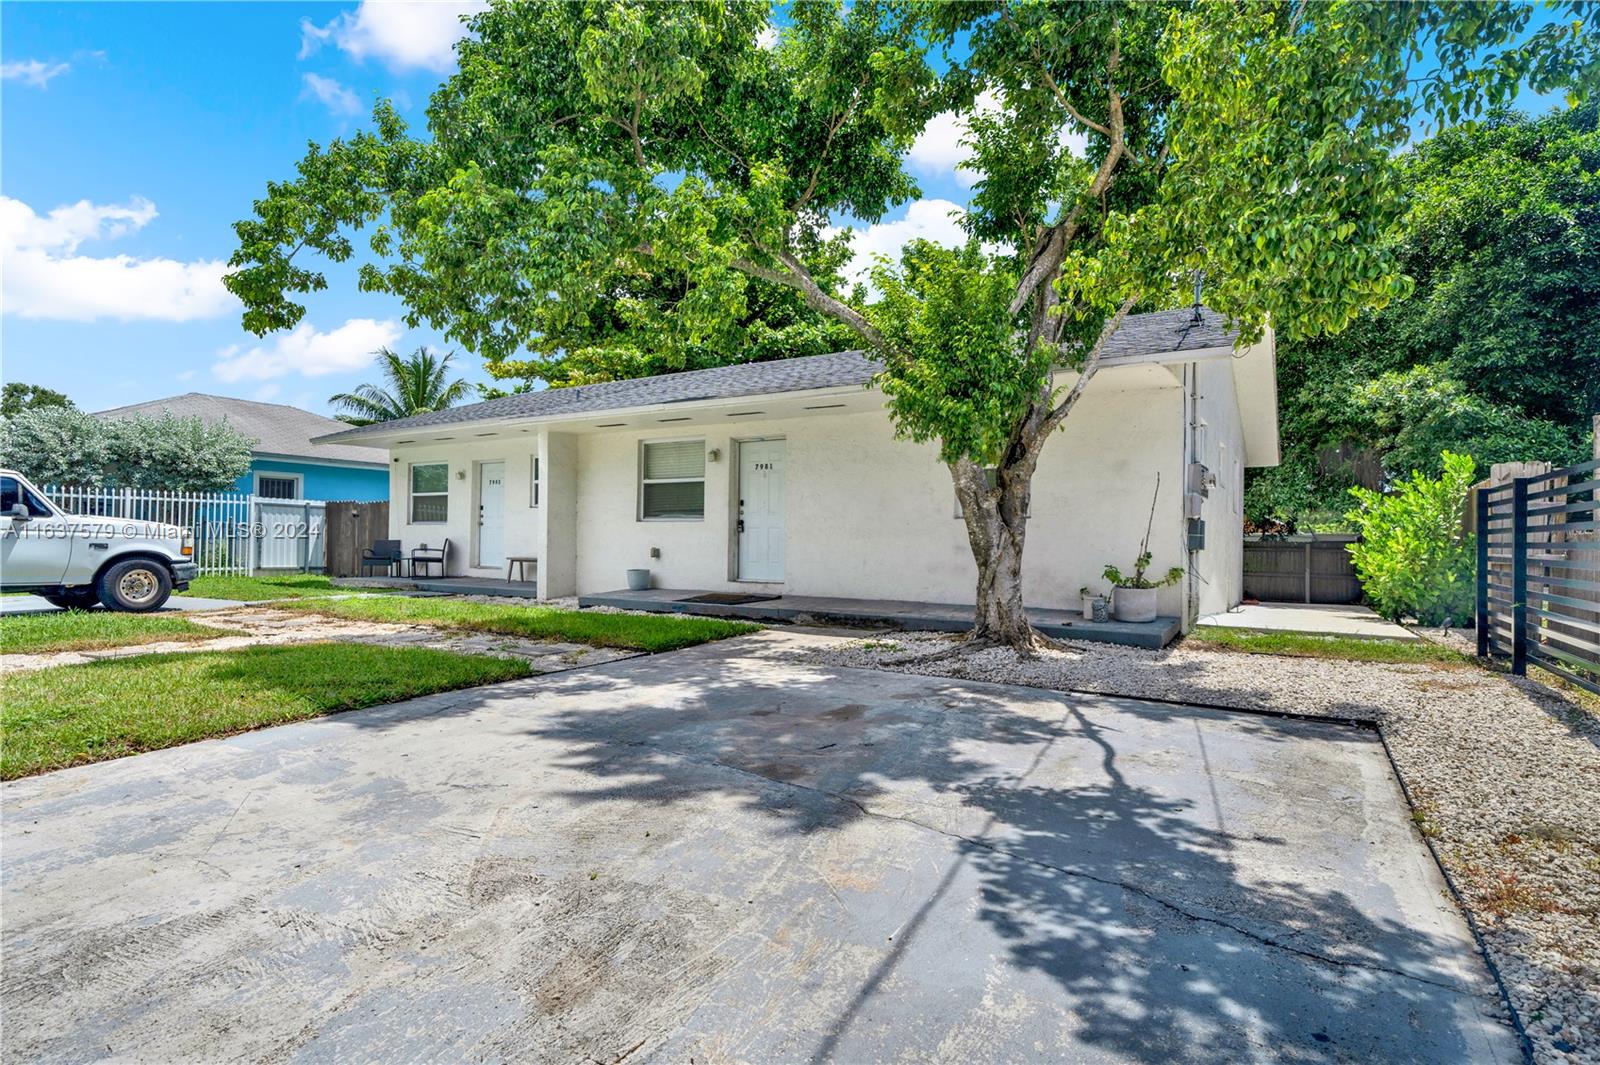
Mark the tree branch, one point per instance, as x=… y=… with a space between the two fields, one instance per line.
x=1090 y=364
x=1052 y=247
x=796 y=276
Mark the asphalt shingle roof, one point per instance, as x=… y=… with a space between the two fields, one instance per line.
x=276 y=428
x=1159 y=332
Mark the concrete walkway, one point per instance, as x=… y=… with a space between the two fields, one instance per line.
x=725 y=855
x=33 y=604
x=1312 y=618
x=902 y=614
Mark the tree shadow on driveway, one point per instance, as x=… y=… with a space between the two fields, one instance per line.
x=1151 y=883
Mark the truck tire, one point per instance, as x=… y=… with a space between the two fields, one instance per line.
x=136 y=586
x=74 y=598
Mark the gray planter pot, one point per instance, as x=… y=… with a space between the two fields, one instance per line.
x=1134 y=604
x=638 y=580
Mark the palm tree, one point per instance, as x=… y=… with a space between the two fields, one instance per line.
x=412 y=385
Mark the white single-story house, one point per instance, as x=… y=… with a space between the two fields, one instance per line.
x=787 y=477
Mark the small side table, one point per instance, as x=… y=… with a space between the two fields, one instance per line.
x=521 y=562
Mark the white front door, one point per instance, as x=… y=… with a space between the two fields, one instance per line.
x=761 y=510
x=491 y=514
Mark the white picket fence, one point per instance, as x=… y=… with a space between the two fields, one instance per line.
x=234 y=533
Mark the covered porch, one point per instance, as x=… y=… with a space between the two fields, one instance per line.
x=876 y=613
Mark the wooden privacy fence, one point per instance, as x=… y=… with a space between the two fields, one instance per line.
x=1539 y=573
x=235 y=533
x=1310 y=568
x=349 y=529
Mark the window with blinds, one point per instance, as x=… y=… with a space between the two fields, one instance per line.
x=672 y=480
x=430 y=492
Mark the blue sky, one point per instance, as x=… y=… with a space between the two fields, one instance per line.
x=133 y=134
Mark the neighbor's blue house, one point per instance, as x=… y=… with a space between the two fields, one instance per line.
x=285 y=464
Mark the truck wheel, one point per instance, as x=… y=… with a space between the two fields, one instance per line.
x=137 y=586
x=74 y=598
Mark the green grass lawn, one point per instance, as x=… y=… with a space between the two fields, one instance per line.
x=1303 y=645
x=91 y=630
x=69 y=715
x=255 y=589
x=628 y=631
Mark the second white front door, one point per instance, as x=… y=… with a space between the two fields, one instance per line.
x=491 y=514
x=761 y=510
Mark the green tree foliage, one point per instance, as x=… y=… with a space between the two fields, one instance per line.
x=415 y=384
x=581 y=148
x=62 y=445
x=1415 y=557
x=175 y=454
x=19 y=397
x=55 y=445
x=1496 y=352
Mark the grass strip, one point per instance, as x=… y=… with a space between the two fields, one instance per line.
x=257 y=589
x=1305 y=645
x=634 y=632
x=93 y=630
x=71 y=715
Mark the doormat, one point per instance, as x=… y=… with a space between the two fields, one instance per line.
x=727 y=598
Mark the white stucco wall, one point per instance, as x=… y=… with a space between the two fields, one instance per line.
x=523 y=525
x=873 y=517
x=868 y=516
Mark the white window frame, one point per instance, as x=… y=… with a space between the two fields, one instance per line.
x=991 y=482
x=412 y=494
x=533 y=482
x=639 y=494
x=299 y=484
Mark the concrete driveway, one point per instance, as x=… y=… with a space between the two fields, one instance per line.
x=723 y=855
x=33 y=604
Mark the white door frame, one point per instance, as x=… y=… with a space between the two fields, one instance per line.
x=736 y=555
x=477 y=527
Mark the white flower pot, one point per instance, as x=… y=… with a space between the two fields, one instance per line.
x=1088 y=607
x=1134 y=604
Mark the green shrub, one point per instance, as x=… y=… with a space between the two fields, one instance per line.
x=1415 y=557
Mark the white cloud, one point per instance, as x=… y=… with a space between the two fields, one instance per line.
x=335 y=97
x=403 y=34
x=33 y=72
x=767 y=37
x=935 y=220
x=46 y=278
x=308 y=352
x=938 y=149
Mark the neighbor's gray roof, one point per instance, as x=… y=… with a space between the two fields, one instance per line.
x=1159 y=332
x=277 y=429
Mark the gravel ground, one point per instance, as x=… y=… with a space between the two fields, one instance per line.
x=1504 y=775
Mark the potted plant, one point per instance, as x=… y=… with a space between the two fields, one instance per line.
x=1134 y=595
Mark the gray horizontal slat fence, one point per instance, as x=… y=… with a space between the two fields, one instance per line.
x=1539 y=573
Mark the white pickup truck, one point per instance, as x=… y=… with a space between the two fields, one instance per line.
x=76 y=561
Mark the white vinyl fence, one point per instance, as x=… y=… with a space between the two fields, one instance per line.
x=234 y=533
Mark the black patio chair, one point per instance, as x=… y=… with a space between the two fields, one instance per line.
x=385 y=554
x=426 y=556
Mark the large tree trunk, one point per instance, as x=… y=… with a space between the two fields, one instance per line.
x=997 y=523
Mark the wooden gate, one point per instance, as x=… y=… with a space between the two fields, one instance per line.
x=1301 y=569
x=348 y=529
